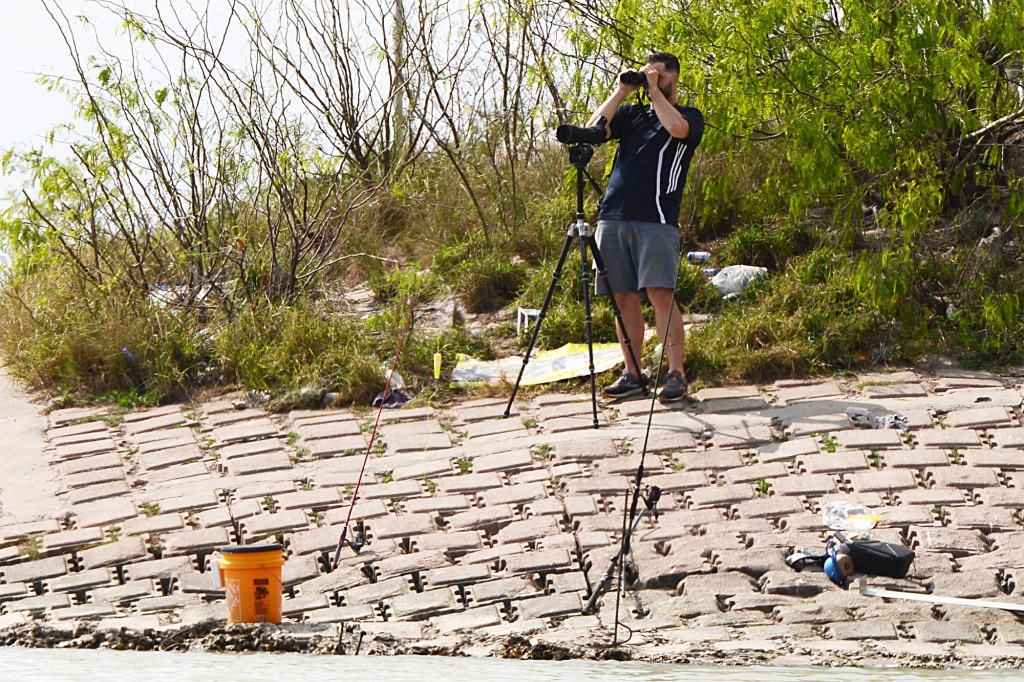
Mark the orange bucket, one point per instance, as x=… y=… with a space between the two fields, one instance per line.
x=251 y=576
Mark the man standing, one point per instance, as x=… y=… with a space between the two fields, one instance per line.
x=638 y=219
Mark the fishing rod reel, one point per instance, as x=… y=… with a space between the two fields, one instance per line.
x=356 y=542
x=630 y=572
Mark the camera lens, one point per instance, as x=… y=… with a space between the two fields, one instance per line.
x=633 y=78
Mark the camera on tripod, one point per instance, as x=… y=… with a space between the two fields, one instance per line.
x=595 y=134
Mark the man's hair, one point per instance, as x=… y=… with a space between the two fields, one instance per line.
x=670 y=61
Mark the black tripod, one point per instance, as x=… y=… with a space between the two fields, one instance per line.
x=580 y=154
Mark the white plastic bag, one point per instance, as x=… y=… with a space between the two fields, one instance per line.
x=733 y=279
x=843 y=515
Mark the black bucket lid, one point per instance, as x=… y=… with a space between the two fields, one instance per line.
x=250 y=549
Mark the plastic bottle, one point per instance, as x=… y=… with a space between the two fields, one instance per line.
x=697 y=257
x=397 y=382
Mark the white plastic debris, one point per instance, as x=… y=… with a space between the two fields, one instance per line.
x=733 y=279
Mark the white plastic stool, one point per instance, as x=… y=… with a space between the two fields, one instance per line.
x=524 y=318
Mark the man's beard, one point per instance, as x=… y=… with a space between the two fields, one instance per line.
x=665 y=91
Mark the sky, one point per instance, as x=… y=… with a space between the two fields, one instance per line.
x=30 y=45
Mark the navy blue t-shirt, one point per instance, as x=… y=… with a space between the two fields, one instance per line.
x=650 y=166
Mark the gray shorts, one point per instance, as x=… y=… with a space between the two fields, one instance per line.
x=637 y=255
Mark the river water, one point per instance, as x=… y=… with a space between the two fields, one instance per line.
x=74 y=665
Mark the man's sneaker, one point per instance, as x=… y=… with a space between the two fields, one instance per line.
x=674 y=389
x=625 y=386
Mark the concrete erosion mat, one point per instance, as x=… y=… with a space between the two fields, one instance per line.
x=485 y=533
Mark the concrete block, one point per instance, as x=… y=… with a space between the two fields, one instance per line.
x=915 y=459
x=530 y=530
x=998 y=458
x=401 y=526
x=129 y=592
x=157 y=568
x=980 y=417
x=101 y=491
x=505 y=461
x=441 y=504
x=31 y=571
x=870 y=439
x=457 y=575
x=720 y=495
x=543 y=561
x=258 y=527
x=174 y=602
x=885 y=392
x=958 y=543
x=807 y=484
x=787 y=451
x=258 y=464
x=986 y=519
x=407 y=564
x=674 y=482
x=84 y=449
x=376 y=592
x=469 y=620
x=456 y=542
x=1008 y=438
x=160 y=523
x=880 y=630
x=514 y=495
x=502 y=590
x=104 y=513
x=748 y=437
x=423 y=605
x=489 y=520
x=943 y=632
x=92 y=463
x=792 y=394
x=469 y=483
x=337 y=446
x=81 y=581
x=552 y=606
x=833 y=463
x=68 y=540
x=932 y=497
x=184 y=502
x=195 y=541
x=722 y=585
x=548 y=506
x=161 y=459
x=39 y=605
x=948 y=438
x=123 y=551
x=963 y=477
x=805 y=584
x=344 y=614
x=884 y=481
x=755 y=472
x=396 y=490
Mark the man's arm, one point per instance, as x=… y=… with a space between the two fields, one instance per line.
x=611 y=105
x=670 y=118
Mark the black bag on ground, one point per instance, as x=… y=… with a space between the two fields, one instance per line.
x=875 y=557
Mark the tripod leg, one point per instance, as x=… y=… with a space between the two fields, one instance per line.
x=589 y=322
x=540 y=319
x=603 y=274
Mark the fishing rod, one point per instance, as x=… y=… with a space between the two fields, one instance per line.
x=629 y=572
x=359 y=538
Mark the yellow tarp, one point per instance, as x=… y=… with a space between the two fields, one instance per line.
x=571 y=360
